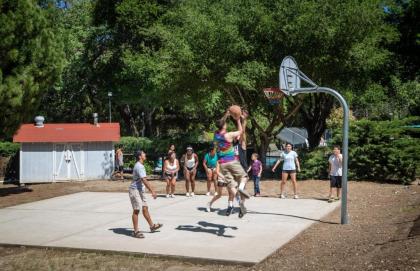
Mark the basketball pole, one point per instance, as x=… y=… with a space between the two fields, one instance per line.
x=345 y=147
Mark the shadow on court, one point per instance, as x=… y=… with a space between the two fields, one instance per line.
x=216 y=229
x=294 y=216
x=123 y=231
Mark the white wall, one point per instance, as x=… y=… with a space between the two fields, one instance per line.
x=36 y=162
x=99 y=157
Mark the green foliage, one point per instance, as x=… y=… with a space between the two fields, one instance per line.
x=314 y=164
x=383 y=150
x=8 y=148
x=133 y=144
x=31 y=60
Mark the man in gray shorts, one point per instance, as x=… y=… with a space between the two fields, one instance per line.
x=137 y=195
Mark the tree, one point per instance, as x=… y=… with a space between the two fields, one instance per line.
x=31 y=59
x=234 y=48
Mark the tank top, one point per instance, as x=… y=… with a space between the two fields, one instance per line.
x=170 y=167
x=225 y=150
x=190 y=162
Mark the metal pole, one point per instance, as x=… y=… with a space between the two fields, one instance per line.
x=109 y=105
x=109 y=109
x=345 y=148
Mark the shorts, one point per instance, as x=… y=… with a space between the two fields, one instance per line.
x=167 y=174
x=335 y=181
x=190 y=168
x=289 y=171
x=233 y=173
x=212 y=169
x=137 y=198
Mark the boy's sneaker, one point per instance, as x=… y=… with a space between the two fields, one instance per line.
x=242 y=210
x=336 y=198
x=257 y=194
x=296 y=197
x=208 y=207
x=208 y=194
x=187 y=194
x=331 y=199
x=192 y=194
x=172 y=196
x=215 y=193
x=167 y=195
x=229 y=210
x=282 y=196
x=244 y=193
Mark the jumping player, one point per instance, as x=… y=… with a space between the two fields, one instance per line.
x=230 y=167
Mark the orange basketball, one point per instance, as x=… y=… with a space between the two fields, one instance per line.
x=235 y=111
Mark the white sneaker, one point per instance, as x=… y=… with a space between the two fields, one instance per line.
x=208 y=207
x=215 y=193
x=167 y=195
x=282 y=196
x=187 y=194
x=295 y=196
x=172 y=196
x=208 y=194
x=192 y=194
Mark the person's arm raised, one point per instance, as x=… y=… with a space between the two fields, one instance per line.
x=232 y=135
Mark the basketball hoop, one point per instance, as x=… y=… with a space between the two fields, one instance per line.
x=273 y=95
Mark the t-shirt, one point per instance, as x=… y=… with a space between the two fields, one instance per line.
x=336 y=166
x=211 y=161
x=289 y=160
x=139 y=172
x=225 y=150
x=256 y=167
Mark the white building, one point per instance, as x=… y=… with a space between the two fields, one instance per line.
x=63 y=152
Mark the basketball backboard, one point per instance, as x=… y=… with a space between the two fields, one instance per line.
x=289 y=75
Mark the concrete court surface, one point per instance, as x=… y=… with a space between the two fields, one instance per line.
x=102 y=221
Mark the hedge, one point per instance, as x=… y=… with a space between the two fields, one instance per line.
x=8 y=148
x=378 y=150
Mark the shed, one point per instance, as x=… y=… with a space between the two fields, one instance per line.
x=63 y=152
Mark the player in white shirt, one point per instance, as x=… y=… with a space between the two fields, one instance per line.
x=335 y=170
x=290 y=165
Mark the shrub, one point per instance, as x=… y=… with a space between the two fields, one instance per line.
x=383 y=150
x=8 y=148
x=132 y=144
x=314 y=164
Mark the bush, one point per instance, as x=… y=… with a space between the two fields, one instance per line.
x=132 y=144
x=8 y=148
x=383 y=150
x=314 y=164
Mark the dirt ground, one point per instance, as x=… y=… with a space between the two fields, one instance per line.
x=383 y=234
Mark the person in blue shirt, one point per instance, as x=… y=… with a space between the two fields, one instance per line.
x=209 y=164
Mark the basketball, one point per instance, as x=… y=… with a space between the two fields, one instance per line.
x=235 y=111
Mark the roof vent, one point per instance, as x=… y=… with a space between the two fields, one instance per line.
x=39 y=121
x=95 y=119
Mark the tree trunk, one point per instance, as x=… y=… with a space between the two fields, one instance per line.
x=262 y=150
x=128 y=118
x=315 y=114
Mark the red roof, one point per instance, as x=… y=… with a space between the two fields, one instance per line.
x=68 y=132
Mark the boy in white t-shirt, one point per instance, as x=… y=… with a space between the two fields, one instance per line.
x=335 y=170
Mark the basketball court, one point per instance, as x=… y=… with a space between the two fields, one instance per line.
x=102 y=221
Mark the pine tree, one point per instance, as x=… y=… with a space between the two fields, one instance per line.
x=31 y=58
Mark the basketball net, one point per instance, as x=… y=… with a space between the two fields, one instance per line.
x=273 y=95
